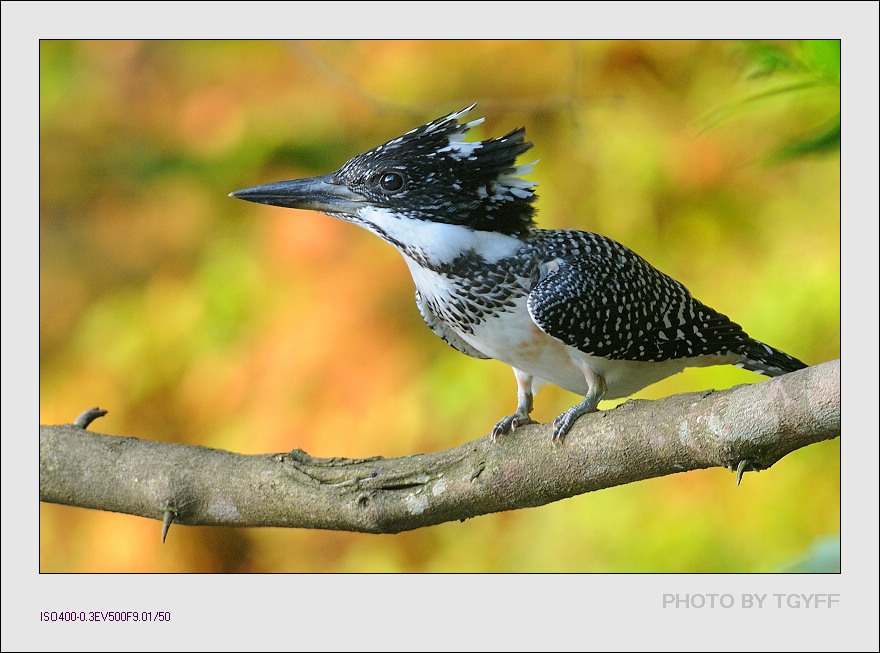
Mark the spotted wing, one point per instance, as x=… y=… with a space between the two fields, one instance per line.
x=607 y=301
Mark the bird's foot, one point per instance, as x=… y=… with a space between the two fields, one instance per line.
x=563 y=423
x=510 y=423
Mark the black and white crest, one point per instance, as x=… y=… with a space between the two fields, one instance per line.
x=431 y=173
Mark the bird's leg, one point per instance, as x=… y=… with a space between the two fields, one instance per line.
x=524 y=398
x=597 y=389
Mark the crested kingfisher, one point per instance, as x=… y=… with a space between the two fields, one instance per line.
x=568 y=307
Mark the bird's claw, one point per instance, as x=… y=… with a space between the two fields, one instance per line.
x=509 y=424
x=564 y=421
x=561 y=426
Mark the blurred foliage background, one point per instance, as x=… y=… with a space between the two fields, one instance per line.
x=200 y=319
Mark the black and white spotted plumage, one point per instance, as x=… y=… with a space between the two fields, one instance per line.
x=606 y=300
x=570 y=307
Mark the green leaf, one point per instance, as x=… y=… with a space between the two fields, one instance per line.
x=782 y=93
x=765 y=59
x=825 y=141
x=822 y=57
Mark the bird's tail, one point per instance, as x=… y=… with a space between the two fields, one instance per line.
x=764 y=359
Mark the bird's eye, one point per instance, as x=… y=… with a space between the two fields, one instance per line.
x=391 y=182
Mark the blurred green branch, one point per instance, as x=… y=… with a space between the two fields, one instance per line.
x=748 y=427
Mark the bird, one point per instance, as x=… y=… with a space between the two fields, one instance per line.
x=564 y=306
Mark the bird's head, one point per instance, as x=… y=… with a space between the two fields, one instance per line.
x=428 y=174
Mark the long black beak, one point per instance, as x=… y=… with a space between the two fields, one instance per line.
x=323 y=194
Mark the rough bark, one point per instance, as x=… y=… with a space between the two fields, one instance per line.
x=747 y=427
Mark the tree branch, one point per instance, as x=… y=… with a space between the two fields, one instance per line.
x=748 y=427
